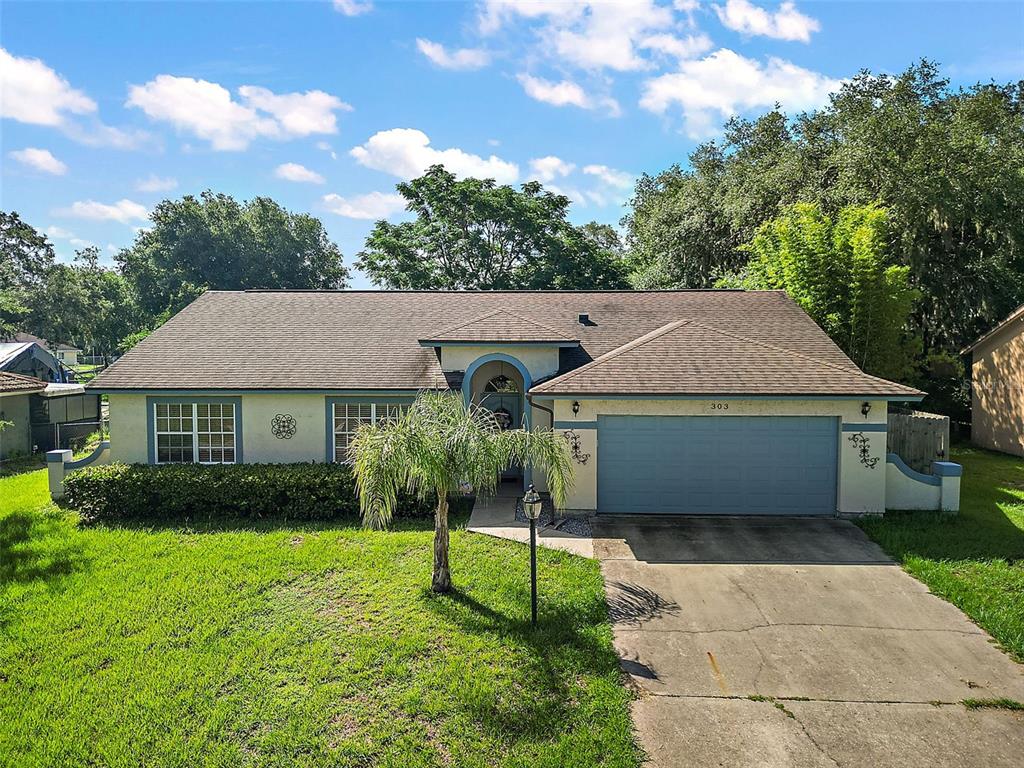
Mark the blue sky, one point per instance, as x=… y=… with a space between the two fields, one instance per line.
x=109 y=108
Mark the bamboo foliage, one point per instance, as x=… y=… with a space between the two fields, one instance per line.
x=840 y=273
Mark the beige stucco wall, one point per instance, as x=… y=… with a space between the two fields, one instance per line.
x=539 y=361
x=17 y=438
x=861 y=489
x=310 y=440
x=997 y=398
x=128 y=428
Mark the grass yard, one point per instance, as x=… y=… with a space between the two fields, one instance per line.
x=974 y=560
x=294 y=645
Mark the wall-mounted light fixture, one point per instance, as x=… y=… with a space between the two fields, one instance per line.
x=575 y=407
x=865 y=408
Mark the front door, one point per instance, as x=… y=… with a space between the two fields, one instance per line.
x=508 y=408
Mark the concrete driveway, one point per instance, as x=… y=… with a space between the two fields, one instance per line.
x=797 y=642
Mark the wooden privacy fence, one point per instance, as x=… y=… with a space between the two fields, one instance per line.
x=919 y=438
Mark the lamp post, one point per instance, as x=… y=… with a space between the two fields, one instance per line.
x=531 y=506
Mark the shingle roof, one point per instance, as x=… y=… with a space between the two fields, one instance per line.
x=686 y=357
x=15 y=382
x=337 y=340
x=499 y=326
x=1017 y=316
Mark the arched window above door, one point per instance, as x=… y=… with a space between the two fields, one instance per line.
x=502 y=384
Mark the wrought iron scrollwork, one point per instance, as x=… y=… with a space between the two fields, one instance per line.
x=863 y=444
x=283 y=426
x=575 y=447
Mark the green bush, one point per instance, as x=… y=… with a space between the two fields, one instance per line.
x=194 y=491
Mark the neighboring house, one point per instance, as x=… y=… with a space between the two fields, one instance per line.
x=997 y=386
x=30 y=358
x=15 y=393
x=66 y=353
x=707 y=402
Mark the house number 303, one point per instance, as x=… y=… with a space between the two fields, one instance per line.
x=719 y=406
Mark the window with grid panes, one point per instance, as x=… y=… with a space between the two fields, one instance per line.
x=348 y=417
x=195 y=432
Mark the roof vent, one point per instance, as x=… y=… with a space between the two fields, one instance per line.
x=584 y=319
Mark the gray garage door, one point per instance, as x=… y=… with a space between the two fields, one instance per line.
x=717 y=465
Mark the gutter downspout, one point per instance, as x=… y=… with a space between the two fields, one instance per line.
x=551 y=413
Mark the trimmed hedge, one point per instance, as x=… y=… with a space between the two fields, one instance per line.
x=229 y=491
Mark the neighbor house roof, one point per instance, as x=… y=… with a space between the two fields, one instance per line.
x=686 y=357
x=370 y=340
x=499 y=326
x=28 y=338
x=15 y=383
x=1016 y=318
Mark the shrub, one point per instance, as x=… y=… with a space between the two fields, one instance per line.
x=184 y=491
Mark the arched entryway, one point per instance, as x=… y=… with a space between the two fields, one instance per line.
x=499 y=383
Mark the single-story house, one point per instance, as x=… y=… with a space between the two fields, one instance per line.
x=15 y=392
x=44 y=415
x=66 y=353
x=997 y=386
x=691 y=401
x=30 y=358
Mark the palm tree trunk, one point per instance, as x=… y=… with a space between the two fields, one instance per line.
x=442 y=580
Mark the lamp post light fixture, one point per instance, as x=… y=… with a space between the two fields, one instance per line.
x=865 y=408
x=531 y=506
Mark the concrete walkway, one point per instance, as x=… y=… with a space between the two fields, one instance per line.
x=797 y=642
x=496 y=516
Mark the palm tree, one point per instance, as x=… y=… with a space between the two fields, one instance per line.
x=439 y=445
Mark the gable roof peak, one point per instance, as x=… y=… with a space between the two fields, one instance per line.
x=499 y=325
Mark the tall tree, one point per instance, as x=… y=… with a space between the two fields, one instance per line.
x=475 y=234
x=83 y=303
x=840 y=273
x=25 y=257
x=947 y=165
x=215 y=242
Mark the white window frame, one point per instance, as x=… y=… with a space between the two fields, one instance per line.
x=373 y=420
x=194 y=407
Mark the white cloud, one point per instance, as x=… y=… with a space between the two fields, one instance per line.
x=33 y=93
x=208 y=110
x=406 y=153
x=607 y=36
x=57 y=233
x=494 y=14
x=353 y=7
x=461 y=58
x=326 y=147
x=679 y=47
x=40 y=159
x=78 y=242
x=549 y=168
x=725 y=83
x=373 y=205
x=787 y=23
x=123 y=211
x=300 y=114
x=154 y=183
x=609 y=176
x=565 y=93
x=299 y=173
x=590 y=34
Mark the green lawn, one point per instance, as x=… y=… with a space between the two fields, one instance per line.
x=289 y=645
x=976 y=559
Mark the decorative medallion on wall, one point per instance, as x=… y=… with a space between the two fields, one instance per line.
x=575 y=447
x=863 y=444
x=283 y=426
